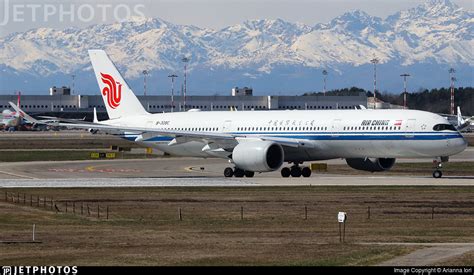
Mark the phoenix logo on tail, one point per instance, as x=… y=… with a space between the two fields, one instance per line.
x=113 y=91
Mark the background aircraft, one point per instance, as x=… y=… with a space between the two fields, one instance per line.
x=11 y=120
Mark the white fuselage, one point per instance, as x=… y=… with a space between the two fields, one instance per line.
x=324 y=134
x=9 y=119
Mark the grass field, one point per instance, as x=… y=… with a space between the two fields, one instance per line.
x=144 y=227
x=420 y=168
x=61 y=155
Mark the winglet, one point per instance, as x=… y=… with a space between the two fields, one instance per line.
x=95 y=120
x=462 y=123
x=23 y=114
x=460 y=120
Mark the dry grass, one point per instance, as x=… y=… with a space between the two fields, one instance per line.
x=424 y=169
x=144 y=228
x=64 y=155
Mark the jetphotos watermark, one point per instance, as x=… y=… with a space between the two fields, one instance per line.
x=33 y=270
x=75 y=12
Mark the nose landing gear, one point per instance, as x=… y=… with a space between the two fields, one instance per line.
x=437 y=174
x=438 y=164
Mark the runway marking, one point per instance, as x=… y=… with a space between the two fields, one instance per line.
x=18 y=175
x=196 y=169
x=92 y=169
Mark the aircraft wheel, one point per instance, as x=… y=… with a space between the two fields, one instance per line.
x=306 y=172
x=228 y=172
x=239 y=173
x=437 y=174
x=249 y=174
x=285 y=172
x=296 y=171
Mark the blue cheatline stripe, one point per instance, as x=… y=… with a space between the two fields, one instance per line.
x=337 y=137
x=373 y=137
x=340 y=133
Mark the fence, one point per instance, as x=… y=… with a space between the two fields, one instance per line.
x=59 y=206
x=234 y=210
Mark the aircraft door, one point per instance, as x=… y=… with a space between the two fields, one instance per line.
x=226 y=127
x=336 y=127
x=410 y=127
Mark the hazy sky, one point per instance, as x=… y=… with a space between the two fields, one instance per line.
x=26 y=14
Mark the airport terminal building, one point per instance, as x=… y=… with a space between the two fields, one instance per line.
x=64 y=105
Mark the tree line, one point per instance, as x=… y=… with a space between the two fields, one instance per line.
x=434 y=100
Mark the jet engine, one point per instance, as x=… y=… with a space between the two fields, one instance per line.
x=258 y=156
x=371 y=164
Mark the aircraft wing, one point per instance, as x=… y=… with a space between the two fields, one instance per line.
x=226 y=139
x=24 y=115
x=58 y=119
x=178 y=135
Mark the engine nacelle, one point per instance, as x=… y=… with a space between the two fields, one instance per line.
x=258 y=156
x=371 y=165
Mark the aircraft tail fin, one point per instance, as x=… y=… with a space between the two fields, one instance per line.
x=18 y=100
x=119 y=99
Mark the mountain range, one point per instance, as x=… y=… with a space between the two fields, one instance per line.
x=272 y=56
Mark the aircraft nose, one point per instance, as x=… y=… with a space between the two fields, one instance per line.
x=458 y=145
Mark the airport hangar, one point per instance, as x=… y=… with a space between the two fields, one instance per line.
x=63 y=104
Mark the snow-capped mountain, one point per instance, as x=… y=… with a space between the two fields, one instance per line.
x=271 y=55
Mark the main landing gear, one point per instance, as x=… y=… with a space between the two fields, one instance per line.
x=438 y=164
x=237 y=172
x=296 y=171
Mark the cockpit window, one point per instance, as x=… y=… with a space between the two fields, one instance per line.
x=442 y=127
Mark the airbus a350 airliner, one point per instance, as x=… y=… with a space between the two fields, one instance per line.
x=262 y=141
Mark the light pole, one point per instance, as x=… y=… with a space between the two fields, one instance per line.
x=375 y=61
x=185 y=61
x=145 y=73
x=172 y=76
x=73 y=77
x=405 y=89
x=451 y=72
x=325 y=73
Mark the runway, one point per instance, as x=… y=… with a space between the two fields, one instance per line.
x=175 y=171
x=233 y=182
